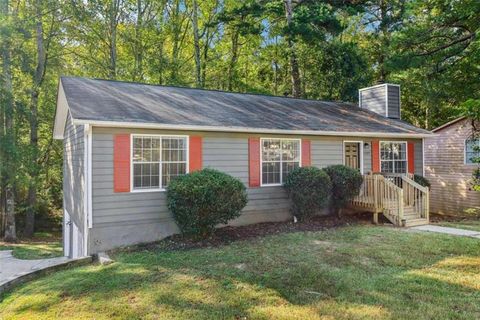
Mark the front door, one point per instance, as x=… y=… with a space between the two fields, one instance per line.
x=352 y=155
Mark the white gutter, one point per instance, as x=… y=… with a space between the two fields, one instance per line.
x=138 y=125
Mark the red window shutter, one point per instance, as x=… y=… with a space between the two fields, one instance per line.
x=121 y=163
x=375 y=156
x=254 y=162
x=411 y=157
x=306 y=153
x=195 y=153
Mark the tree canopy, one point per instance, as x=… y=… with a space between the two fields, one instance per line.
x=301 y=48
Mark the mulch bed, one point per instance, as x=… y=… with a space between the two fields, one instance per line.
x=229 y=234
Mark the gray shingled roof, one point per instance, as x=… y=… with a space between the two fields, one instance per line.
x=104 y=100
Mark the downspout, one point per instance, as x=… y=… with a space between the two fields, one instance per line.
x=423 y=157
x=87 y=198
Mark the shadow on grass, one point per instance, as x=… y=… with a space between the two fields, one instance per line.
x=354 y=274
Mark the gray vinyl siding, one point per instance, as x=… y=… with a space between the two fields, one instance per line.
x=127 y=218
x=373 y=99
x=326 y=152
x=73 y=176
x=367 y=157
x=393 y=102
x=418 y=157
x=229 y=154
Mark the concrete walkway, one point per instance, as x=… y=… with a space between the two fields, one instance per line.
x=447 y=230
x=14 y=271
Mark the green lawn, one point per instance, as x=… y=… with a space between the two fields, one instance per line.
x=41 y=247
x=357 y=272
x=469 y=224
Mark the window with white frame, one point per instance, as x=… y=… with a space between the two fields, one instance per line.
x=156 y=160
x=279 y=158
x=472 y=151
x=393 y=157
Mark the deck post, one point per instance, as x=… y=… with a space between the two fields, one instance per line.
x=400 y=208
x=427 y=205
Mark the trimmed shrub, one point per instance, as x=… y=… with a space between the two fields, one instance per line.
x=421 y=180
x=346 y=183
x=203 y=199
x=309 y=189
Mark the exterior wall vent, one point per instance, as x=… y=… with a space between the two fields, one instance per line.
x=383 y=99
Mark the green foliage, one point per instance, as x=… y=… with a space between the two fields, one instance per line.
x=421 y=180
x=203 y=199
x=309 y=189
x=346 y=183
x=428 y=47
x=476 y=179
x=471 y=109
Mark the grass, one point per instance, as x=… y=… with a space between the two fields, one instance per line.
x=356 y=272
x=467 y=224
x=42 y=246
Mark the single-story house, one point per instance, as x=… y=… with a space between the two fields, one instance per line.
x=449 y=167
x=124 y=142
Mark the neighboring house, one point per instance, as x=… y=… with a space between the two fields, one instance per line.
x=449 y=167
x=124 y=142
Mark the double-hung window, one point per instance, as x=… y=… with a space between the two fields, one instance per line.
x=393 y=157
x=279 y=158
x=472 y=151
x=156 y=160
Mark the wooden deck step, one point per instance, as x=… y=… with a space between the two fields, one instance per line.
x=416 y=222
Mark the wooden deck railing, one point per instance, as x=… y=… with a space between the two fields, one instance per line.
x=417 y=197
x=390 y=195
x=367 y=197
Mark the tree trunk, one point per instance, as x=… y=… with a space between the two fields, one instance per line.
x=295 y=73
x=196 y=45
x=138 y=51
x=37 y=82
x=233 y=60
x=206 y=48
x=10 y=230
x=176 y=42
x=384 y=41
x=8 y=139
x=3 y=182
x=114 y=10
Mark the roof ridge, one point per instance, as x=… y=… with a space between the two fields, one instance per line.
x=347 y=103
x=449 y=123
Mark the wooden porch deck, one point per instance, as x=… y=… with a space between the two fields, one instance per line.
x=401 y=200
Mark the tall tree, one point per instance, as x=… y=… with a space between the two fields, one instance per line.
x=7 y=139
x=383 y=18
x=38 y=76
x=295 y=73
x=196 y=45
x=240 y=22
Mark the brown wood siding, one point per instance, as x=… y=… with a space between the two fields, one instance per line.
x=446 y=169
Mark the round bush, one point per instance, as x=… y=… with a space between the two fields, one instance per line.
x=309 y=189
x=421 y=180
x=203 y=199
x=346 y=183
